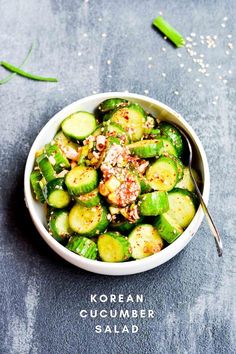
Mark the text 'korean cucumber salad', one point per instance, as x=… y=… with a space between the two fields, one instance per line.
x=114 y=183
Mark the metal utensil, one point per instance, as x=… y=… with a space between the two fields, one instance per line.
x=211 y=224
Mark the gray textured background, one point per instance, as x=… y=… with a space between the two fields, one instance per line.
x=194 y=293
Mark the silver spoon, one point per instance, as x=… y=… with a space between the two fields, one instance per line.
x=211 y=224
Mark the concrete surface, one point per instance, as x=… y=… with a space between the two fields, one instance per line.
x=97 y=46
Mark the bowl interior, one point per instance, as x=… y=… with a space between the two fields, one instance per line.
x=37 y=210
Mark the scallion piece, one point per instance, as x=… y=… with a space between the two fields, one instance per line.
x=9 y=77
x=169 y=31
x=21 y=72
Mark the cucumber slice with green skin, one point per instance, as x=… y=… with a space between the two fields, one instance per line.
x=89 y=199
x=98 y=131
x=88 y=221
x=81 y=180
x=182 y=205
x=155 y=133
x=145 y=241
x=117 y=130
x=68 y=147
x=186 y=181
x=168 y=147
x=113 y=247
x=162 y=175
x=180 y=166
x=131 y=118
x=55 y=194
x=111 y=103
x=79 y=125
x=146 y=148
x=59 y=225
x=35 y=178
x=46 y=167
x=56 y=157
x=149 y=125
x=174 y=135
x=152 y=204
x=168 y=228
x=82 y=246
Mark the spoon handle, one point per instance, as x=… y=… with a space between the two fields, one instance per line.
x=211 y=224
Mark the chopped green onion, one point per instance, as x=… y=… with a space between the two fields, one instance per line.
x=21 y=72
x=169 y=31
x=9 y=77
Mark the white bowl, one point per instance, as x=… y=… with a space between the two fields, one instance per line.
x=37 y=212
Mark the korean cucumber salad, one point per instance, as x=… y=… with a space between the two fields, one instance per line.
x=114 y=183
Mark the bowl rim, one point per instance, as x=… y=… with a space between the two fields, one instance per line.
x=131 y=267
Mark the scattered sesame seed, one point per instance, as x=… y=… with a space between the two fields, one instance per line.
x=160 y=13
x=201 y=55
x=176 y=93
x=223 y=25
x=214 y=102
x=94 y=92
x=179 y=55
x=79 y=54
x=110 y=76
x=104 y=35
x=149 y=66
x=215 y=36
x=100 y=19
x=163 y=74
x=225 y=19
x=207 y=65
x=165 y=38
x=219 y=66
x=200 y=85
x=193 y=34
x=163 y=49
x=194 y=44
x=216 y=98
x=202 y=37
x=146 y=92
x=225 y=81
x=230 y=45
x=230 y=71
x=229 y=36
x=85 y=34
x=90 y=67
x=149 y=58
x=189 y=70
x=189 y=39
x=227 y=52
x=202 y=42
x=181 y=65
x=220 y=77
x=109 y=62
x=207 y=74
x=197 y=80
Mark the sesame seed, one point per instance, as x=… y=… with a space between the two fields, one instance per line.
x=230 y=45
x=225 y=81
x=79 y=54
x=181 y=65
x=227 y=52
x=149 y=66
x=94 y=92
x=207 y=74
x=189 y=70
x=149 y=58
x=165 y=38
x=220 y=77
x=189 y=39
x=201 y=55
x=202 y=42
x=200 y=85
x=160 y=13
x=202 y=37
x=225 y=19
x=163 y=74
x=100 y=19
x=146 y=92
x=90 y=67
x=229 y=36
x=197 y=80
x=223 y=25
x=163 y=49
x=85 y=34
x=109 y=62
x=176 y=93
x=193 y=34
x=104 y=35
x=216 y=98
x=230 y=71
x=214 y=102
x=219 y=66
x=179 y=55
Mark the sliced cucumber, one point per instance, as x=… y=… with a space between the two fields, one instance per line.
x=162 y=175
x=56 y=157
x=168 y=228
x=125 y=226
x=155 y=133
x=98 y=131
x=83 y=154
x=35 y=178
x=111 y=103
x=155 y=203
x=182 y=206
x=83 y=246
x=81 y=179
x=174 y=135
x=180 y=166
x=168 y=147
x=79 y=125
x=149 y=125
x=146 y=148
x=113 y=247
x=88 y=221
x=145 y=241
x=46 y=167
x=145 y=186
x=131 y=118
x=186 y=181
x=55 y=194
x=59 y=225
x=89 y=199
